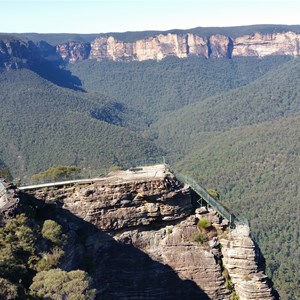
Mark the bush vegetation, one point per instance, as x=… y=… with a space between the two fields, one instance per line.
x=231 y=124
x=57 y=173
x=52 y=232
x=203 y=224
x=57 y=284
x=201 y=238
x=30 y=254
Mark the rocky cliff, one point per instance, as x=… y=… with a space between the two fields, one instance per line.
x=185 y=45
x=142 y=240
x=15 y=53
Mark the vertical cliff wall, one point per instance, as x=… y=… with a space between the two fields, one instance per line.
x=182 y=46
x=15 y=53
x=146 y=242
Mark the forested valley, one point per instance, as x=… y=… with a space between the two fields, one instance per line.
x=231 y=124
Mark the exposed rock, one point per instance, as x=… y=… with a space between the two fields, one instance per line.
x=9 y=198
x=267 y=44
x=15 y=53
x=74 y=51
x=109 y=48
x=197 y=45
x=240 y=257
x=117 y=206
x=220 y=46
x=174 y=246
x=184 y=45
x=161 y=46
x=139 y=230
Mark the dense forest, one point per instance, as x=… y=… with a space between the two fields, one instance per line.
x=232 y=124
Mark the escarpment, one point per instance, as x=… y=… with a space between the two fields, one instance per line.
x=143 y=238
x=15 y=53
x=185 y=45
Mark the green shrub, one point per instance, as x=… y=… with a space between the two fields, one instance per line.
x=57 y=172
x=114 y=168
x=50 y=260
x=213 y=193
x=52 y=231
x=203 y=224
x=200 y=238
x=57 y=284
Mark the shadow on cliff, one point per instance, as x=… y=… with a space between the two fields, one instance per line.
x=54 y=72
x=119 y=271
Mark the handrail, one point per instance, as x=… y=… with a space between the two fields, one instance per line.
x=225 y=213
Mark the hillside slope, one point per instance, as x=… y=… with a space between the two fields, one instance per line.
x=44 y=125
x=272 y=96
x=256 y=170
x=165 y=86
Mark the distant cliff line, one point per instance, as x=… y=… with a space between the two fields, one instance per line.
x=182 y=46
x=15 y=53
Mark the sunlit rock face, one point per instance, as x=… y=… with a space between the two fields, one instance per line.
x=73 y=51
x=15 y=53
x=141 y=231
x=184 y=45
x=267 y=44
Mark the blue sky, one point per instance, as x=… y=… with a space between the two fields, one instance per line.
x=78 y=16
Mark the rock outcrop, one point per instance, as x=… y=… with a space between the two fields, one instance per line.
x=9 y=198
x=15 y=53
x=145 y=242
x=73 y=51
x=242 y=260
x=111 y=206
x=185 y=45
x=267 y=44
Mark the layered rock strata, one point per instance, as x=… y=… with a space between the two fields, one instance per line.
x=185 y=45
x=147 y=244
x=15 y=53
x=241 y=258
x=115 y=206
x=73 y=51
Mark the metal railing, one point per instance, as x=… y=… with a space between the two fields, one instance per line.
x=200 y=191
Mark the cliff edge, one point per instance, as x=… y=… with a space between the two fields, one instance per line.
x=16 y=53
x=145 y=239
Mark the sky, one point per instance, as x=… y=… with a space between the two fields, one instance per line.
x=98 y=16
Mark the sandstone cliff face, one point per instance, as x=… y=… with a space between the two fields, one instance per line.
x=182 y=46
x=117 y=206
x=268 y=44
x=73 y=51
x=241 y=258
x=15 y=53
x=143 y=242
